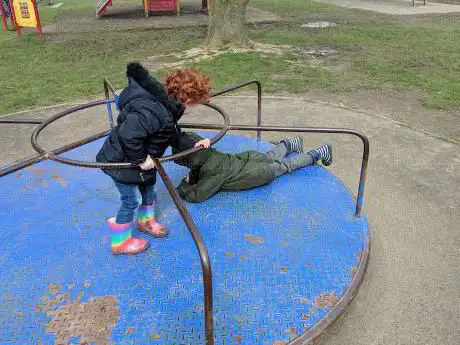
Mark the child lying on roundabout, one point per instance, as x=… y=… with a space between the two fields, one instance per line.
x=212 y=171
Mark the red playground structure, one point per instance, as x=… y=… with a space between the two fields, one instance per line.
x=150 y=6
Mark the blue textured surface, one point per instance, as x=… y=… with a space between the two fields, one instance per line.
x=275 y=251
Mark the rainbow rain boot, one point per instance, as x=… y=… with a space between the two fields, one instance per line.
x=122 y=241
x=146 y=222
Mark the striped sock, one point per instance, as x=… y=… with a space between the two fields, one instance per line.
x=120 y=232
x=294 y=144
x=323 y=153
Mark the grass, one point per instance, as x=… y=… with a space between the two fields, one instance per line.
x=404 y=57
x=382 y=50
x=49 y=14
x=50 y=73
x=274 y=73
x=375 y=50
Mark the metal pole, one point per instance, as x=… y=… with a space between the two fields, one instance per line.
x=202 y=250
x=259 y=99
x=50 y=155
x=259 y=109
x=3 y=14
x=23 y=122
x=109 y=105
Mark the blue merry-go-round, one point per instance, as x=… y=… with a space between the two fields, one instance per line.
x=286 y=258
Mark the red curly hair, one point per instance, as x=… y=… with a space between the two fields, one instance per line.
x=187 y=86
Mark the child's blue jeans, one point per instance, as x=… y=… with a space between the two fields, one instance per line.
x=129 y=195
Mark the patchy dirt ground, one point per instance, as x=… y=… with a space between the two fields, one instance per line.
x=130 y=16
x=403 y=106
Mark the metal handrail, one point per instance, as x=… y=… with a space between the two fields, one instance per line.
x=96 y=165
x=108 y=88
x=22 y=122
x=202 y=250
x=259 y=99
x=365 y=140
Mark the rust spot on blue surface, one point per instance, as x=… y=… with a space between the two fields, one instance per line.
x=60 y=180
x=155 y=336
x=91 y=322
x=326 y=300
x=303 y=300
x=51 y=303
x=238 y=339
x=292 y=332
x=254 y=239
x=306 y=316
x=54 y=288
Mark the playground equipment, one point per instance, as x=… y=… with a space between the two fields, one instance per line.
x=150 y=6
x=23 y=14
x=5 y=13
x=286 y=258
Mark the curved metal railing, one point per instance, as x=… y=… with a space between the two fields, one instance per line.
x=364 y=139
x=50 y=155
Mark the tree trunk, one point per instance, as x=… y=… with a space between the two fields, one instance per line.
x=227 y=19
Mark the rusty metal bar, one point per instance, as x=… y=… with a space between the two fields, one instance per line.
x=28 y=161
x=202 y=250
x=311 y=334
x=107 y=89
x=259 y=99
x=22 y=122
x=50 y=155
x=365 y=140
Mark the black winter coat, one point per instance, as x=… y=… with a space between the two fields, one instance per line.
x=146 y=125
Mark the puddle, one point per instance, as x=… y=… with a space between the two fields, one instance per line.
x=316 y=51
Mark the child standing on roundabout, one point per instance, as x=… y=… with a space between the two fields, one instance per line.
x=146 y=127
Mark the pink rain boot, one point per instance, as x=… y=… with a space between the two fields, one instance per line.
x=122 y=242
x=146 y=222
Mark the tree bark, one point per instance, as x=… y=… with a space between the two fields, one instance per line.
x=227 y=19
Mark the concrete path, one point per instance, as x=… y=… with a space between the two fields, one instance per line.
x=411 y=294
x=396 y=7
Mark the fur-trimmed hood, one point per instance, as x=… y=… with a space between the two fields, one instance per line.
x=143 y=85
